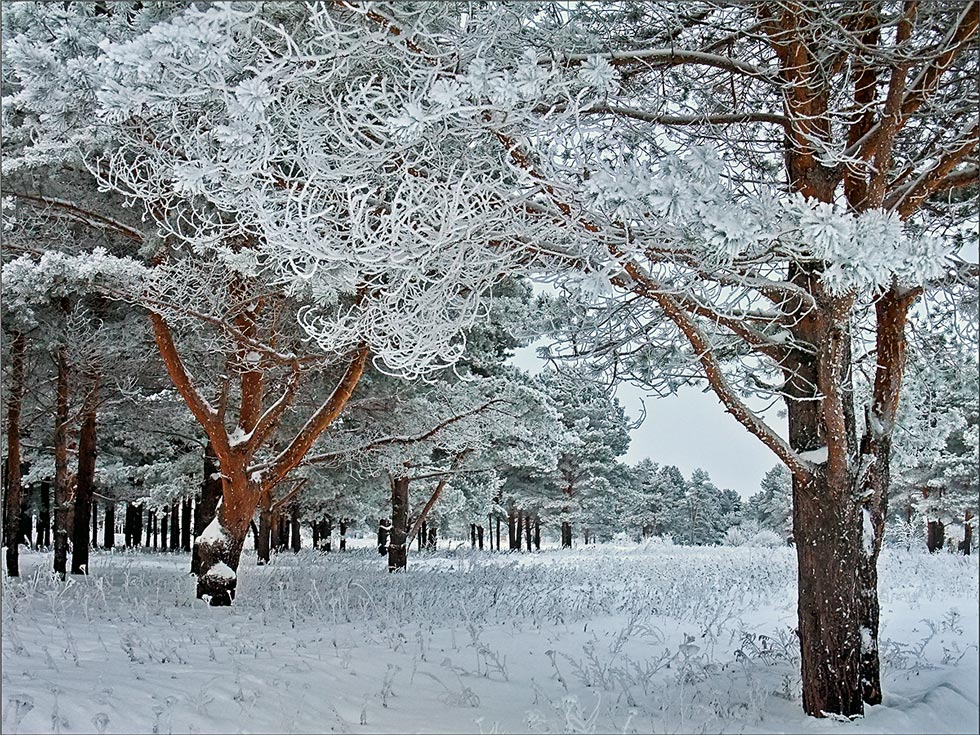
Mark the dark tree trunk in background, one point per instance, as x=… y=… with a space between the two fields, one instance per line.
x=537 y=533
x=95 y=524
x=294 y=538
x=164 y=527
x=206 y=507
x=472 y=535
x=384 y=528
x=511 y=531
x=186 y=514
x=343 y=535
x=44 y=515
x=566 y=535
x=175 y=526
x=326 y=534
x=397 y=547
x=148 y=527
x=433 y=538
x=316 y=534
x=498 y=533
x=422 y=535
x=587 y=536
x=138 y=524
x=129 y=526
x=263 y=536
x=517 y=531
x=479 y=537
x=527 y=531
x=62 y=493
x=935 y=536
x=13 y=491
x=967 y=542
x=109 y=525
x=156 y=530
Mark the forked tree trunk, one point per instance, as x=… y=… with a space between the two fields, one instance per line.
x=109 y=525
x=84 y=482
x=397 y=546
x=12 y=484
x=219 y=547
x=62 y=493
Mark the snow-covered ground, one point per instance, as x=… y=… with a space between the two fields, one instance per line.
x=603 y=639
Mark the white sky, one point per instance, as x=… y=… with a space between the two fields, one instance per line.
x=690 y=430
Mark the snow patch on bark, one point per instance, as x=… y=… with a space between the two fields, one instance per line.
x=221 y=571
x=817 y=456
x=213 y=534
x=868 y=532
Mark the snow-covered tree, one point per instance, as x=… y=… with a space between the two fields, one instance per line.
x=772 y=506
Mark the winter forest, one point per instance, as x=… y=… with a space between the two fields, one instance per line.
x=316 y=322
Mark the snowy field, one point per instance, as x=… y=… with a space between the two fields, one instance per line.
x=604 y=639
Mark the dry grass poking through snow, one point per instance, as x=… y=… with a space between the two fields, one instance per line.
x=605 y=639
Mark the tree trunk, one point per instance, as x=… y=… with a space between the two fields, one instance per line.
x=397 y=547
x=537 y=533
x=326 y=535
x=498 y=533
x=219 y=546
x=343 y=535
x=263 y=539
x=316 y=534
x=527 y=531
x=12 y=484
x=109 y=525
x=44 y=515
x=967 y=543
x=479 y=537
x=935 y=536
x=95 y=524
x=423 y=535
x=129 y=526
x=175 y=525
x=384 y=528
x=164 y=528
x=185 y=524
x=294 y=539
x=206 y=506
x=148 y=528
x=828 y=526
x=156 y=529
x=566 y=535
x=432 y=540
x=517 y=531
x=472 y=535
x=511 y=534
x=62 y=492
x=587 y=536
